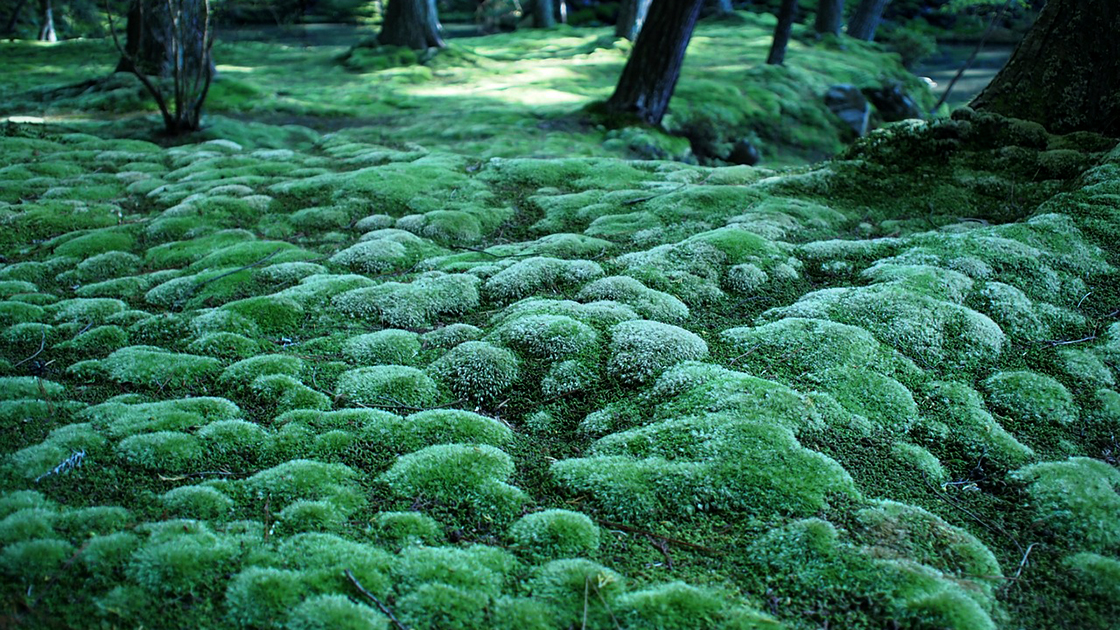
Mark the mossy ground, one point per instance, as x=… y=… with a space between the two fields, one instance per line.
x=874 y=392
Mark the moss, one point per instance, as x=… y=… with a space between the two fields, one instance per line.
x=19 y=313
x=301 y=479
x=1075 y=499
x=567 y=377
x=472 y=476
x=201 y=502
x=567 y=584
x=27 y=524
x=554 y=534
x=647 y=302
x=105 y=555
x=334 y=612
x=1095 y=574
x=640 y=350
x=391 y=346
x=476 y=370
x=404 y=529
x=287 y=272
x=1031 y=399
x=438 y=605
x=881 y=399
x=415 y=304
x=247 y=370
x=41 y=460
x=261 y=597
x=106 y=266
x=287 y=392
x=387 y=386
x=224 y=345
x=537 y=275
x=96 y=242
x=164 y=450
x=86 y=310
x=311 y=516
x=688 y=465
x=36 y=559
x=16 y=387
x=380 y=255
x=1085 y=368
x=149 y=366
x=677 y=605
x=97 y=341
x=451 y=335
x=930 y=331
x=548 y=337
x=272 y=314
x=192 y=560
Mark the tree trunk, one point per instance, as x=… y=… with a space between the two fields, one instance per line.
x=651 y=73
x=14 y=18
x=1065 y=74
x=412 y=24
x=544 y=15
x=631 y=16
x=866 y=19
x=147 y=39
x=782 y=32
x=46 y=25
x=830 y=15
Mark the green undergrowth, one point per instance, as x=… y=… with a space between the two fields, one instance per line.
x=504 y=95
x=238 y=382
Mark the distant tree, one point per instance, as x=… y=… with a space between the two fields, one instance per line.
x=717 y=8
x=1065 y=74
x=544 y=13
x=170 y=39
x=412 y=24
x=866 y=19
x=830 y=16
x=782 y=32
x=46 y=22
x=631 y=16
x=654 y=65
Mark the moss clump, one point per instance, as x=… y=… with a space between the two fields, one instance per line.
x=311 y=516
x=164 y=450
x=537 y=275
x=192 y=560
x=678 y=606
x=476 y=370
x=956 y=414
x=472 y=476
x=1033 y=400
x=245 y=371
x=931 y=331
x=413 y=305
x=261 y=597
x=224 y=345
x=154 y=367
x=881 y=399
x=1095 y=574
x=199 y=502
x=391 y=347
x=1076 y=499
x=287 y=392
x=567 y=377
x=334 y=612
x=27 y=524
x=548 y=337
x=565 y=586
x=379 y=254
x=646 y=302
x=640 y=350
x=451 y=335
x=387 y=386
x=37 y=559
x=404 y=529
x=301 y=479
x=272 y=314
x=554 y=534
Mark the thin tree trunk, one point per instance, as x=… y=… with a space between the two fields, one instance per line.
x=654 y=66
x=412 y=24
x=147 y=39
x=46 y=24
x=11 y=25
x=544 y=15
x=866 y=19
x=830 y=15
x=1065 y=74
x=631 y=16
x=782 y=32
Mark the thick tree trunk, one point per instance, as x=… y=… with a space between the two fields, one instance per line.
x=46 y=23
x=544 y=14
x=631 y=16
x=411 y=23
x=782 y=32
x=1065 y=74
x=651 y=73
x=866 y=19
x=830 y=15
x=147 y=39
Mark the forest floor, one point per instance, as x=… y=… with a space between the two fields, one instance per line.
x=292 y=379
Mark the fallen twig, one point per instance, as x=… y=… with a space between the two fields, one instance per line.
x=673 y=541
x=382 y=607
x=42 y=344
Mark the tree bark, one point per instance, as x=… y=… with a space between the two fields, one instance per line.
x=147 y=39
x=412 y=24
x=631 y=16
x=1065 y=74
x=830 y=15
x=46 y=24
x=544 y=15
x=782 y=32
x=654 y=66
x=866 y=19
